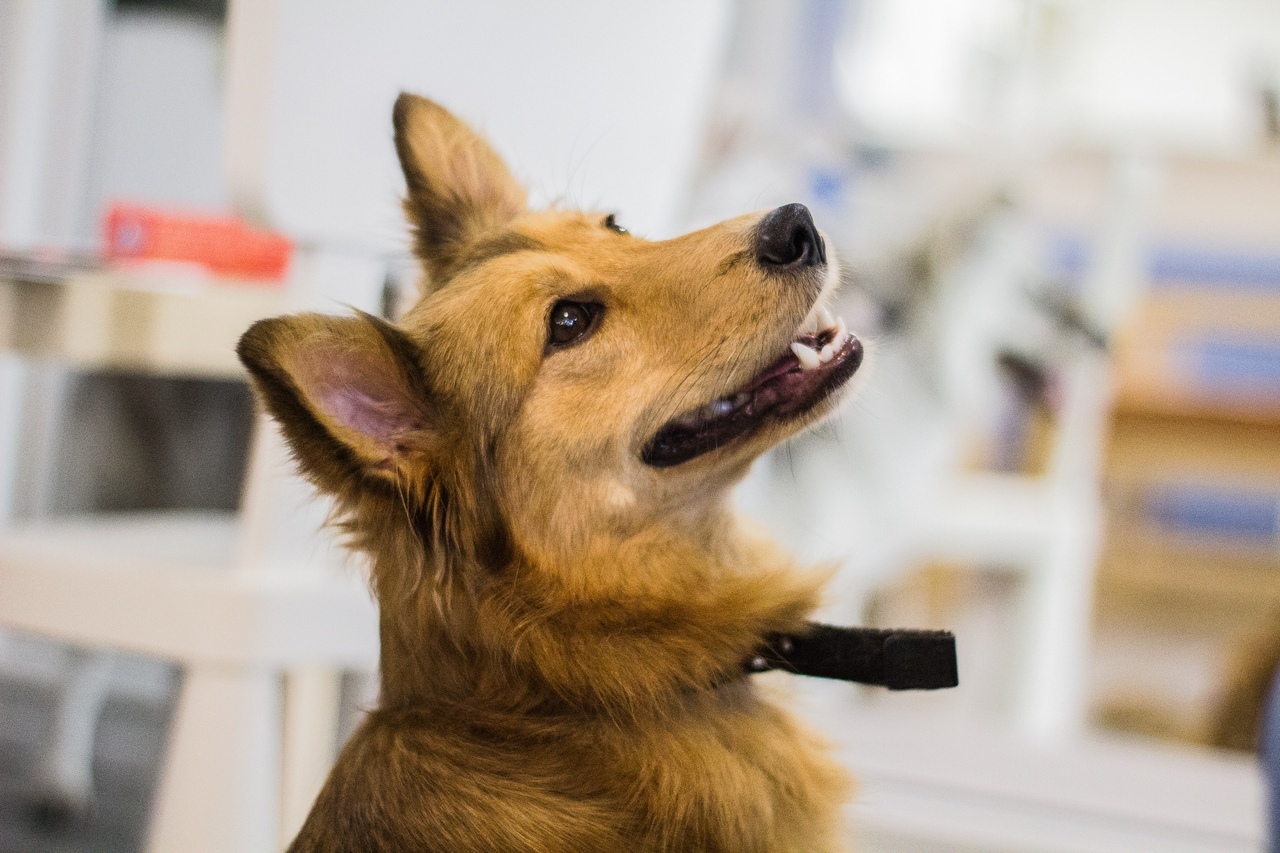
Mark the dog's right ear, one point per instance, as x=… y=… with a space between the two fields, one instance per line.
x=458 y=187
x=350 y=396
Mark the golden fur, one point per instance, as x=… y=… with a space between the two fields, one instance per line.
x=562 y=626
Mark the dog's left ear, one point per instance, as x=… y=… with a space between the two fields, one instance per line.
x=349 y=394
x=459 y=188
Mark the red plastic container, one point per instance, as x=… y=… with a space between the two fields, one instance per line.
x=224 y=245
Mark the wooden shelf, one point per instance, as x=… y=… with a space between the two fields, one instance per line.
x=1149 y=570
x=1151 y=401
x=145 y=322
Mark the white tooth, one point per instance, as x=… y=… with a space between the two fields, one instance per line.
x=741 y=399
x=717 y=408
x=825 y=316
x=841 y=333
x=826 y=353
x=808 y=358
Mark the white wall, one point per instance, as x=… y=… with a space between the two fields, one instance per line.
x=48 y=74
x=599 y=104
x=160 y=123
x=1180 y=74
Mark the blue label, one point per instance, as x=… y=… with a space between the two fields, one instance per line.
x=1206 y=510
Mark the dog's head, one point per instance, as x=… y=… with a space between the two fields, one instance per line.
x=560 y=381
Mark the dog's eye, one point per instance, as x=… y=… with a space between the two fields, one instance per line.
x=570 y=321
x=611 y=222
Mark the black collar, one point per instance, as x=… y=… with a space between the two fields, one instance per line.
x=896 y=659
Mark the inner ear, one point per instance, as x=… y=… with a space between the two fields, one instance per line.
x=372 y=409
x=349 y=393
x=458 y=187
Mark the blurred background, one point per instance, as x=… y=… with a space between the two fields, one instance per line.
x=1059 y=229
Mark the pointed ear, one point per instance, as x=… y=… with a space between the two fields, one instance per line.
x=458 y=187
x=349 y=394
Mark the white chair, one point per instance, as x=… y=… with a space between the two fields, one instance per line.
x=235 y=602
x=896 y=493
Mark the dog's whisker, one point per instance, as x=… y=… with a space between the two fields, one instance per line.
x=694 y=362
x=686 y=387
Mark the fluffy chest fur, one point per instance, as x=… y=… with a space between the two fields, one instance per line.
x=717 y=771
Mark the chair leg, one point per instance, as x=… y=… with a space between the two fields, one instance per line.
x=220 y=788
x=64 y=778
x=312 y=701
x=1051 y=696
x=1053 y=691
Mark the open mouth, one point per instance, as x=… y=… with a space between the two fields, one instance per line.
x=821 y=359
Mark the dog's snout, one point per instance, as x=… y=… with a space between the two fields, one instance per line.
x=787 y=237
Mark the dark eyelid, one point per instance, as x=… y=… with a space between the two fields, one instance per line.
x=587 y=295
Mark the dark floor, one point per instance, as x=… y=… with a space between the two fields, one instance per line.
x=128 y=750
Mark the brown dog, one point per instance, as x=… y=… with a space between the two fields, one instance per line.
x=537 y=461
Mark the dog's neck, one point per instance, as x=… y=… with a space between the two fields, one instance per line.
x=634 y=624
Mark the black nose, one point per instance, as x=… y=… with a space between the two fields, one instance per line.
x=787 y=237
